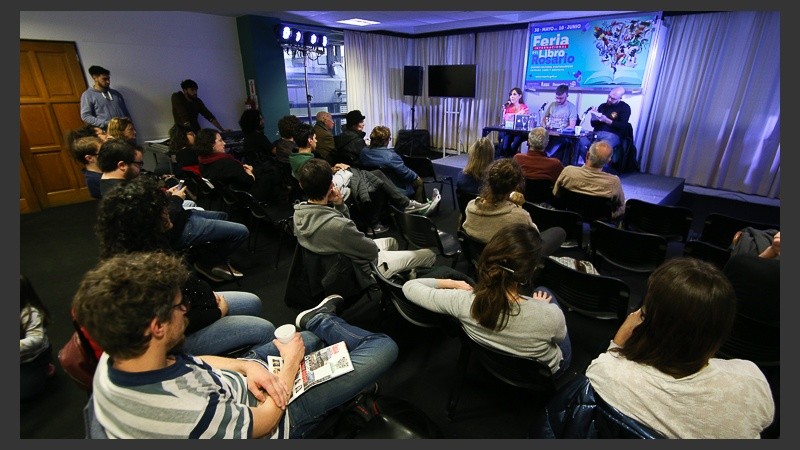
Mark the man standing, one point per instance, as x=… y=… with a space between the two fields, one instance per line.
x=186 y=105
x=100 y=103
x=323 y=129
x=591 y=180
x=559 y=114
x=609 y=120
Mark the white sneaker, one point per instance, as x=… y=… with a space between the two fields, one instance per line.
x=437 y=197
x=416 y=207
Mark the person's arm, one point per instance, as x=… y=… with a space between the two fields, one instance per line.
x=205 y=112
x=88 y=114
x=180 y=110
x=441 y=296
x=122 y=105
x=633 y=320
x=403 y=172
x=34 y=334
x=774 y=250
x=620 y=195
x=573 y=116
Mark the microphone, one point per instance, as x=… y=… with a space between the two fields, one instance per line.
x=543 y=105
x=507 y=104
x=587 y=110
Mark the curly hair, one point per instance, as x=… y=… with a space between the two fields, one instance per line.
x=204 y=141
x=178 y=137
x=510 y=259
x=538 y=138
x=503 y=177
x=131 y=218
x=118 y=299
x=287 y=125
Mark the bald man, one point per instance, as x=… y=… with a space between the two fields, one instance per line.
x=323 y=129
x=590 y=178
x=609 y=120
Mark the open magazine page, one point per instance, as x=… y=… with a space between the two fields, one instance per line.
x=318 y=367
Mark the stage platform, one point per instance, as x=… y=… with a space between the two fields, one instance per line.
x=641 y=186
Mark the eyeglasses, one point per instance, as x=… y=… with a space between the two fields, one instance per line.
x=138 y=163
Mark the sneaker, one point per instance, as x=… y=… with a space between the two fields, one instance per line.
x=436 y=198
x=416 y=207
x=222 y=271
x=327 y=305
x=207 y=273
x=379 y=228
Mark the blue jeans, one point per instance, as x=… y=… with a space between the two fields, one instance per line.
x=241 y=327
x=583 y=146
x=509 y=144
x=565 y=345
x=372 y=355
x=202 y=226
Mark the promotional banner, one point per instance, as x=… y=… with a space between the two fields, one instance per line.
x=588 y=54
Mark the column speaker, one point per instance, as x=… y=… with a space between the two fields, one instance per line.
x=412 y=80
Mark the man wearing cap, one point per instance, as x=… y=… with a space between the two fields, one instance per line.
x=186 y=105
x=351 y=141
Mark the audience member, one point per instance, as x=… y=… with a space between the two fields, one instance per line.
x=479 y=156
x=86 y=130
x=496 y=311
x=285 y=145
x=510 y=142
x=119 y=161
x=495 y=208
x=35 y=353
x=535 y=164
x=181 y=148
x=350 y=141
x=133 y=306
x=85 y=151
x=122 y=128
x=322 y=225
x=100 y=103
x=753 y=241
x=135 y=218
x=378 y=154
x=324 y=131
x=258 y=149
x=609 y=121
x=186 y=106
x=590 y=178
x=559 y=114
x=660 y=367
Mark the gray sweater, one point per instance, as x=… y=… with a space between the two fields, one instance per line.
x=535 y=332
x=327 y=230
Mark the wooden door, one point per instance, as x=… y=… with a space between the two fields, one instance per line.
x=50 y=85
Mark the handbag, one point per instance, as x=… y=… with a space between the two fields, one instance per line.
x=78 y=360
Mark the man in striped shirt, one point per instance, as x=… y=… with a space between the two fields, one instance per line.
x=146 y=387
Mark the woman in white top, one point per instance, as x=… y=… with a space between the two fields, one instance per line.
x=659 y=368
x=495 y=311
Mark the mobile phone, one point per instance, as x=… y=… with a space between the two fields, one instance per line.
x=180 y=184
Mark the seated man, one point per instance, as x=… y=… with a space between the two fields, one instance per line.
x=322 y=225
x=609 y=121
x=535 y=164
x=85 y=150
x=145 y=386
x=590 y=178
x=378 y=154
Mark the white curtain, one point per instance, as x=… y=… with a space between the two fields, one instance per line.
x=710 y=112
x=715 y=115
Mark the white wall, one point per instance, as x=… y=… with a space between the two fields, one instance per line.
x=149 y=53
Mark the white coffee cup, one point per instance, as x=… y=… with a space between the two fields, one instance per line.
x=578 y=129
x=285 y=333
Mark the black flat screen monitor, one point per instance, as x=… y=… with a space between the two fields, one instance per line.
x=456 y=80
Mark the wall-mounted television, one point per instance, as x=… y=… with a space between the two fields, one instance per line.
x=454 y=80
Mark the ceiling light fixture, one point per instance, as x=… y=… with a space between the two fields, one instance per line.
x=358 y=22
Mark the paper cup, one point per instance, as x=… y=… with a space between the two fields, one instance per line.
x=578 y=129
x=285 y=333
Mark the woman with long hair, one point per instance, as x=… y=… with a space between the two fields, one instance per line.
x=479 y=156
x=509 y=143
x=122 y=128
x=498 y=310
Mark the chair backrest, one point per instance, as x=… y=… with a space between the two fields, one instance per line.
x=629 y=250
x=421 y=165
x=463 y=199
x=707 y=252
x=570 y=221
x=596 y=296
x=718 y=229
x=672 y=222
x=590 y=207
x=417 y=229
x=472 y=248
x=538 y=191
x=411 y=312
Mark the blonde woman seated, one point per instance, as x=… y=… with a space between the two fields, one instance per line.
x=480 y=155
x=499 y=311
x=122 y=128
x=500 y=204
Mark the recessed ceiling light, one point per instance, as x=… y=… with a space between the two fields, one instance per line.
x=358 y=22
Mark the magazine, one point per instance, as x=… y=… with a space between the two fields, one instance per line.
x=317 y=367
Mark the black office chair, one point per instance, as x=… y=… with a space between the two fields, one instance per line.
x=472 y=248
x=208 y=195
x=538 y=191
x=463 y=199
x=570 y=221
x=718 y=229
x=707 y=252
x=423 y=167
x=672 y=222
x=277 y=217
x=629 y=250
x=590 y=207
x=519 y=371
x=421 y=232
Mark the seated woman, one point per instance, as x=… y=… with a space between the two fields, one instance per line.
x=134 y=217
x=122 y=128
x=258 y=149
x=500 y=204
x=660 y=367
x=181 y=149
x=496 y=311
x=379 y=155
x=480 y=155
